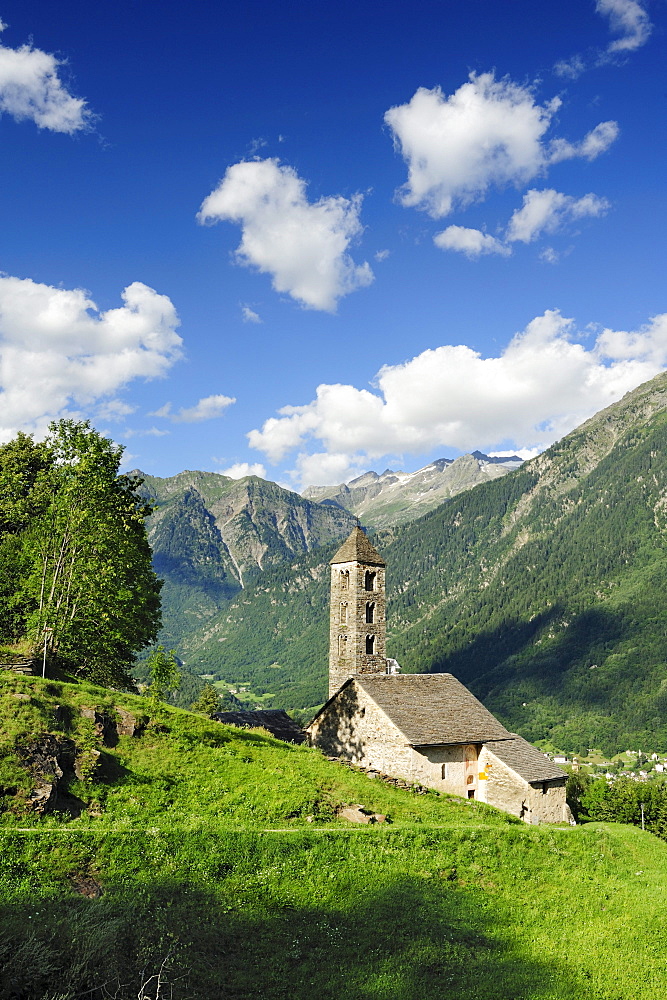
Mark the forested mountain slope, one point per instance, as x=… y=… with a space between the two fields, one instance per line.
x=211 y=535
x=543 y=591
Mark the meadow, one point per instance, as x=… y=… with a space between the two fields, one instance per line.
x=201 y=862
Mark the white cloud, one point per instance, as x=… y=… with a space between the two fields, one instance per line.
x=597 y=141
x=149 y=432
x=326 y=469
x=549 y=255
x=207 y=408
x=628 y=18
x=249 y=315
x=549 y=210
x=30 y=88
x=242 y=469
x=571 y=68
x=471 y=242
x=488 y=133
x=114 y=409
x=58 y=351
x=539 y=387
x=382 y=255
x=302 y=245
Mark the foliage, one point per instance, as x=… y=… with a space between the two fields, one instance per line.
x=73 y=544
x=164 y=673
x=208 y=702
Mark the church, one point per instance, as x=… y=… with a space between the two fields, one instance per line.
x=424 y=728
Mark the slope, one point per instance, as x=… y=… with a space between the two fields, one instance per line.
x=211 y=534
x=168 y=884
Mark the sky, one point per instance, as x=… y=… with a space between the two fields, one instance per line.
x=308 y=239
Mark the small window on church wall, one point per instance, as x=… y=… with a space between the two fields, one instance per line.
x=369 y=580
x=444 y=772
x=370 y=644
x=344 y=579
x=370 y=613
x=343 y=613
x=342 y=645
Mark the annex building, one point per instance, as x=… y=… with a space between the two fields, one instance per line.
x=424 y=728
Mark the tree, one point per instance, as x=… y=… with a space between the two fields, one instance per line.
x=24 y=493
x=164 y=673
x=87 y=589
x=208 y=702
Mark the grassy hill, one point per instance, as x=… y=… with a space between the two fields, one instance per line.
x=200 y=862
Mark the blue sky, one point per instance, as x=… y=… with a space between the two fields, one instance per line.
x=307 y=239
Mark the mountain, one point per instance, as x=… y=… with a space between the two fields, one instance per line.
x=398 y=497
x=211 y=535
x=542 y=591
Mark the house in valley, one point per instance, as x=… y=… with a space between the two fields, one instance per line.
x=423 y=728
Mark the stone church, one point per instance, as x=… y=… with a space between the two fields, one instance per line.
x=423 y=728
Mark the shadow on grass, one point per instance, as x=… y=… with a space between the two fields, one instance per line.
x=235 y=929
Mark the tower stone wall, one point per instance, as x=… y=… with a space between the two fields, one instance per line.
x=358 y=621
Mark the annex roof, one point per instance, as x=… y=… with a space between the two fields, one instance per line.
x=432 y=709
x=278 y=723
x=525 y=759
x=357 y=548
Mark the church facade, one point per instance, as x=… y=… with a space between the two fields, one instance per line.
x=424 y=728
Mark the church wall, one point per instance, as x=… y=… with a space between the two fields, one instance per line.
x=506 y=790
x=446 y=769
x=355 y=728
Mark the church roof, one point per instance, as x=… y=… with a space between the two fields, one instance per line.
x=525 y=759
x=432 y=709
x=357 y=548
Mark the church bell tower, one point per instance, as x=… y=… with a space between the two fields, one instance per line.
x=358 y=623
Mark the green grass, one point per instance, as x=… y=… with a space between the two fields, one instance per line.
x=194 y=847
x=483 y=913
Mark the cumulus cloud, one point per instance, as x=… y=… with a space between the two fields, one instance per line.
x=58 y=351
x=597 y=141
x=30 y=88
x=538 y=388
x=249 y=315
x=302 y=245
x=487 y=133
x=629 y=19
x=242 y=469
x=471 y=242
x=549 y=210
x=207 y=408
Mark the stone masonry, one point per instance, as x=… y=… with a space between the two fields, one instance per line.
x=357 y=635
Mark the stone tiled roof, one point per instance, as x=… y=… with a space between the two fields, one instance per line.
x=357 y=548
x=525 y=759
x=278 y=723
x=432 y=709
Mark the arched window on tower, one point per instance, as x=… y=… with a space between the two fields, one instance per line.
x=345 y=579
x=343 y=614
x=369 y=580
x=370 y=644
x=370 y=612
x=342 y=645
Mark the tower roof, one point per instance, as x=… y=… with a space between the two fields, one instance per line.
x=357 y=548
